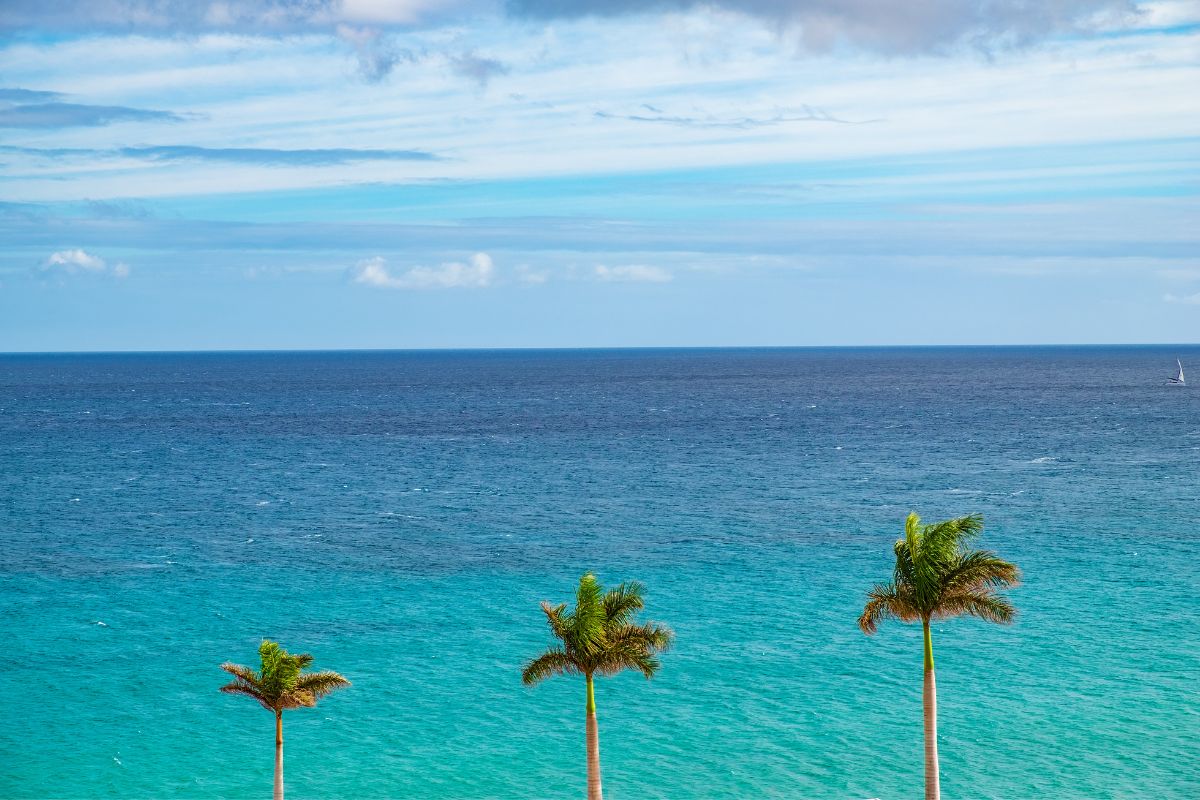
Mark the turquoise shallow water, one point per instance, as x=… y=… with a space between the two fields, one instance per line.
x=401 y=515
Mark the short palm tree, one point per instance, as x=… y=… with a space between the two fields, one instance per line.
x=279 y=686
x=599 y=637
x=938 y=577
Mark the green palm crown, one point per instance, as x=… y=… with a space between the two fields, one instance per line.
x=938 y=576
x=599 y=636
x=281 y=683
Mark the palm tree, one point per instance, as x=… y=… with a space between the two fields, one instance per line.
x=937 y=577
x=599 y=637
x=279 y=686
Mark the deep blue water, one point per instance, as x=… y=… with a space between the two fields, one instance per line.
x=400 y=516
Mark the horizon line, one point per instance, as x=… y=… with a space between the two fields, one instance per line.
x=590 y=348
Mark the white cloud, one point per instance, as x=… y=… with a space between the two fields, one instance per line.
x=528 y=275
x=450 y=275
x=79 y=261
x=1168 y=13
x=75 y=261
x=373 y=272
x=1184 y=299
x=633 y=273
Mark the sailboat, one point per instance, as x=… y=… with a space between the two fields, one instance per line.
x=1178 y=379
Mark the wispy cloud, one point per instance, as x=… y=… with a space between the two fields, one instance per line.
x=530 y=276
x=451 y=275
x=117 y=209
x=198 y=16
x=272 y=156
x=1183 y=299
x=77 y=261
x=266 y=156
x=805 y=114
x=632 y=273
x=477 y=68
x=13 y=95
x=377 y=53
x=75 y=115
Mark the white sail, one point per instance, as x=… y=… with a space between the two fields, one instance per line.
x=1178 y=379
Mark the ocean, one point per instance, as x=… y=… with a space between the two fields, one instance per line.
x=401 y=514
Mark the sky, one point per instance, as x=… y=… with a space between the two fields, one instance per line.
x=326 y=174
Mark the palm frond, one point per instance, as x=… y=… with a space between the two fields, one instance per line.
x=239 y=671
x=635 y=647
x=922 y=557
x=982 y=604
x=586 y=623
x=912 y=536
x=943 y=541
x=589 y=594
x=554 y=661
x=247 y=690
x=279 y=670
x=297 y=699
x=271 y=653
x=622 y=602
x=886 y=601
x=903 y=574
x=321 y=683
x=640 y=660
x=651 y=635
x=246 y=682
x=981 y=569
x=559 y=624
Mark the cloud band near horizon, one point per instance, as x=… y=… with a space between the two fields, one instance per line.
x=917 y=26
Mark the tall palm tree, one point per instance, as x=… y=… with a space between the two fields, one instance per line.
x=599 y=637
x=938 y=577
x=279 y=686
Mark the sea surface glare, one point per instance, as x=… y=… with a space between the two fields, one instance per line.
x=400 y=516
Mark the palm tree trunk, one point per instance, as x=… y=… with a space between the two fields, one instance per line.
x=278 y=756
x=593 y=747
x=933 y=789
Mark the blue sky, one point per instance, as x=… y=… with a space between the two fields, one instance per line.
x=407 y=173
